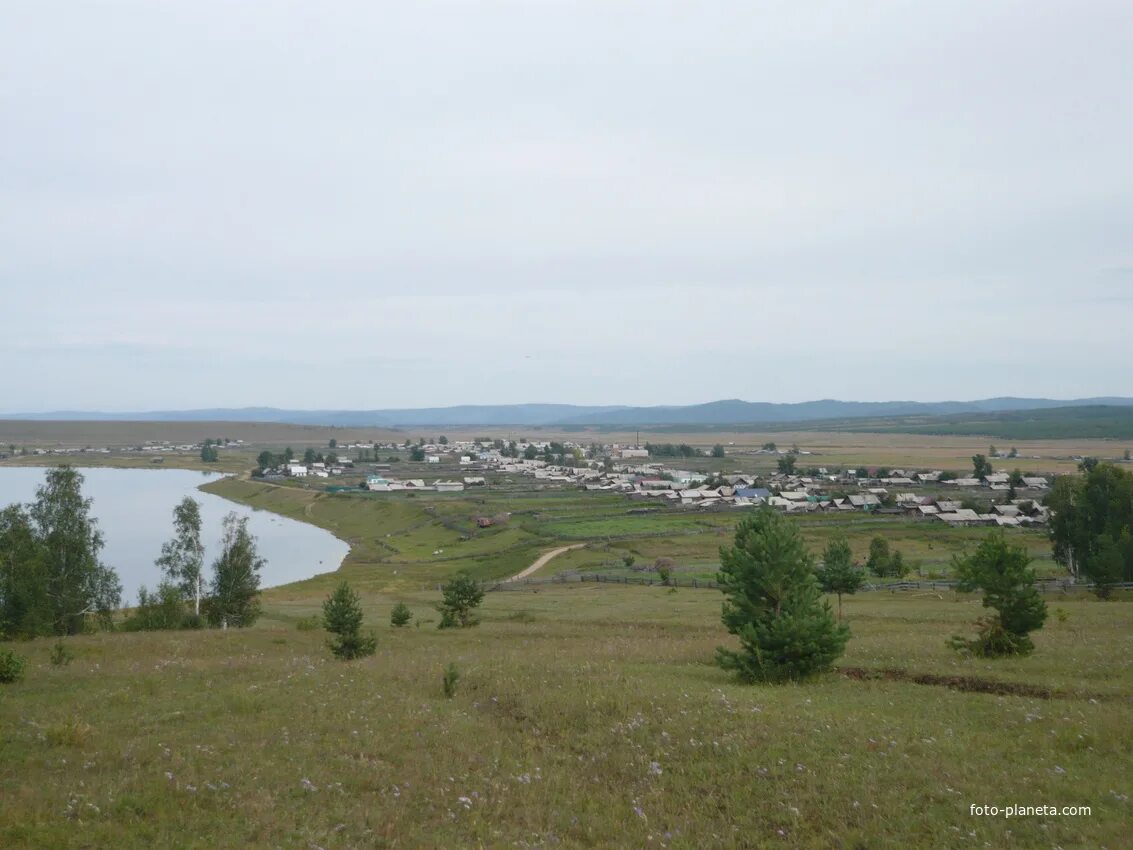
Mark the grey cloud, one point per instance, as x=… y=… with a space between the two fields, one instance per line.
x=419 y=187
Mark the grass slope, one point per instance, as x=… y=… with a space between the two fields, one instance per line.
x=583 y=718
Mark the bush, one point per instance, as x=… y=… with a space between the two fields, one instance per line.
x=449 y=679
x=161 y=611
x=309 y=624
x=400 y=615
x=60 y=655
x=11 y=666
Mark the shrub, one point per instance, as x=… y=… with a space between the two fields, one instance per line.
x=70 y=733
x=11 y=666
x=449 y=679
x=309 y=624
x=160 y=611
x=400 y=615
x=61 y=656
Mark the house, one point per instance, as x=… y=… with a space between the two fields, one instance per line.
x=965 y=516
x=432 y=458
x=754 y=493
x=296 y=470
x=448 y=486
x=474 y=481
x=1035 y=482
x=377 y=483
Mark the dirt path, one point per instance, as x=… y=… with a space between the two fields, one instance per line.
x=542 y=560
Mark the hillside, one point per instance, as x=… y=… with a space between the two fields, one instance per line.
x=724 y=412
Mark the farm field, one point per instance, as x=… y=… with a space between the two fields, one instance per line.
x=402 y=541
x=833 y=449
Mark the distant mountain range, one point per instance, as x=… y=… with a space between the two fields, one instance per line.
x=726 y=412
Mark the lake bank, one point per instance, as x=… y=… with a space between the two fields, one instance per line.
x=134 y=509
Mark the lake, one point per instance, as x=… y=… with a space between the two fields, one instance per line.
x=134 y=509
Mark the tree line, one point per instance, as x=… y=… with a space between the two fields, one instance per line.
x=1091 y=525
x=53 y=580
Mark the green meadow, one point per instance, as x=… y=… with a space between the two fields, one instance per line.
x=585 y=715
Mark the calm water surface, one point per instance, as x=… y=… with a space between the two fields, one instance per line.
x=134 y=508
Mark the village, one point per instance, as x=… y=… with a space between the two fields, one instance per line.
x=998 y=499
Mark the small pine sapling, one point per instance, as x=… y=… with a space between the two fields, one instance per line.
x=400 y=615
x=342 y=617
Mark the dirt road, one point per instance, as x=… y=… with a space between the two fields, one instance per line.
x=542 y=560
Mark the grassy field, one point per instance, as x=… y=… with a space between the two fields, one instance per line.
x=401 y=541
x=584 y=717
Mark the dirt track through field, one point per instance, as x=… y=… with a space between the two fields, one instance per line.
x=542 y=560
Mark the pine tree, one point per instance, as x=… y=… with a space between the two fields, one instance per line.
x=838 y=573
x=774 y=604
x=400 y=615
x=462 y=594
x=342 y=617
x=1001 y=571
x=235 y=590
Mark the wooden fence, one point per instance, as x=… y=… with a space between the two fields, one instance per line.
x=938 y=585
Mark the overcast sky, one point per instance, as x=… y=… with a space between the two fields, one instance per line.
x=392 y=204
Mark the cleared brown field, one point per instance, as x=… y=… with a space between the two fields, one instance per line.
x=833 y=449
x=51 y=434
